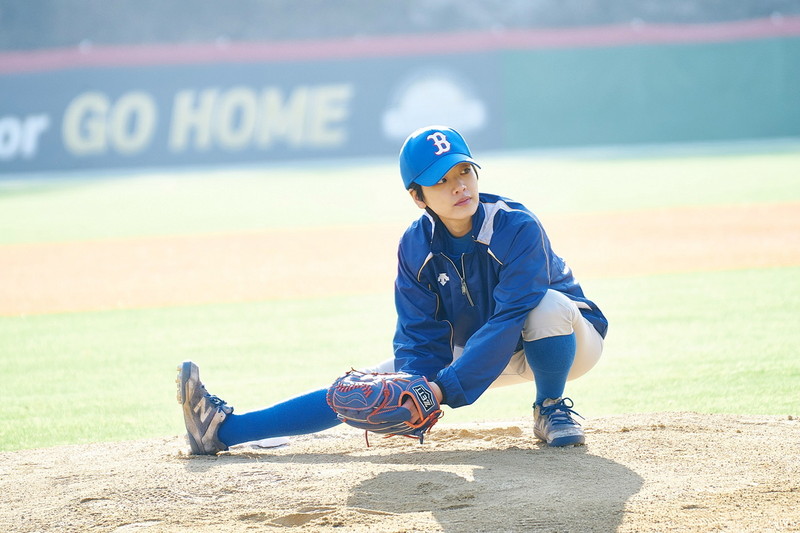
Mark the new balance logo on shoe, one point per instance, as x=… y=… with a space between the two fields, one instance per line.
x=205 y=411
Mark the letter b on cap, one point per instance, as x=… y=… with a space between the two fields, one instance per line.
x=440 y=141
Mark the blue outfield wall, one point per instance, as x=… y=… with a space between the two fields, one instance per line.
x=176 y=106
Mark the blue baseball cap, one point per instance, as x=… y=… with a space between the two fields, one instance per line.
x=430 y=152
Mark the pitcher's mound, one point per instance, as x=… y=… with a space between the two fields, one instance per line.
x=646 y=472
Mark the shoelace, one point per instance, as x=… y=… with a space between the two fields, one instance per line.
x=219 y=403
x=216 y=400
x=560 y=413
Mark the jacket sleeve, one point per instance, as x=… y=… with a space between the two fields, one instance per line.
x=523 y=279
x=422 y=344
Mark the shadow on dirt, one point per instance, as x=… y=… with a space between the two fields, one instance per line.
x=509 y=490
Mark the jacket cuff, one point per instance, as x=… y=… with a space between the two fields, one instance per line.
x=453 y=394
x=441 y=389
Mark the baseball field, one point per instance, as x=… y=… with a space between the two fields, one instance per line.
x=276 y=279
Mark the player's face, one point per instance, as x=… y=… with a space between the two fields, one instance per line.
x=454 y=198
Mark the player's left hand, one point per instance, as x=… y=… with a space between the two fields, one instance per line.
x=391 y=403
x=416 y=417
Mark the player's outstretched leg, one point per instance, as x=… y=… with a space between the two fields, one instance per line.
x=553 y=423
x=202 y=412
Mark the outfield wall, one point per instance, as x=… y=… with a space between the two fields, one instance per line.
x=223 y=103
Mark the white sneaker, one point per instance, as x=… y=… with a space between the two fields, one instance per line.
x=553 y=423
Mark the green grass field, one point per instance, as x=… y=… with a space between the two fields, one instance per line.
x=712 y=342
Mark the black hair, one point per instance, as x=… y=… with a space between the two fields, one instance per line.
x=417 y=188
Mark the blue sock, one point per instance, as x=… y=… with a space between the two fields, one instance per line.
x=550 y=359
x=307 y=413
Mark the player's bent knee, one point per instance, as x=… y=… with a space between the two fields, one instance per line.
x=558 y=315
x=588 y=349
x=586 y=357
x=554 y=316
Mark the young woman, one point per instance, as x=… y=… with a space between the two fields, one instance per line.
x=482 y=300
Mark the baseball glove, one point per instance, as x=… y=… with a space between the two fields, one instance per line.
x=373 y=402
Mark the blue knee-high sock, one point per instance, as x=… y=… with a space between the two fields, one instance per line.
x=550 y=359
x=307 y=413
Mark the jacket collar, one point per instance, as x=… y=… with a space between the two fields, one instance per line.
x=437 y=237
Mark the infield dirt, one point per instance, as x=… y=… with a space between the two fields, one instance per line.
x=199 y=269
x=637 y=473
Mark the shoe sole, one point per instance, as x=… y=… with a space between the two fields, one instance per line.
x=574 y=440
x=558 y=442
x=184 y=374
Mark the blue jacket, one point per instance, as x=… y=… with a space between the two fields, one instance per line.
x=506 y=274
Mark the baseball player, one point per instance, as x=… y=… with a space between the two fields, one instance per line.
x=482 y=301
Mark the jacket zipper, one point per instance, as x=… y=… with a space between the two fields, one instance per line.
x=464 y=289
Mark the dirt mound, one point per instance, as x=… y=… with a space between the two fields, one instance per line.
x=648 y=472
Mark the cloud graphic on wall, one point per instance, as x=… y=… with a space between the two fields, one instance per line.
x=433 y=97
